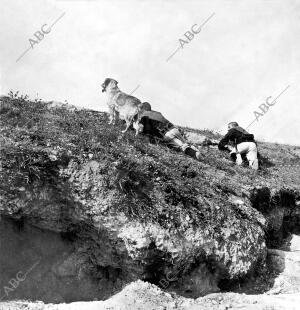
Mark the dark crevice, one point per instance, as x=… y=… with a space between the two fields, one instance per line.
x=283 y=219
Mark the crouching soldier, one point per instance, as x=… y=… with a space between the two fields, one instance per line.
x=155 y=125
x=240 y=142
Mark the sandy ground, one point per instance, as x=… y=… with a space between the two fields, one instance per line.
x=144 y=296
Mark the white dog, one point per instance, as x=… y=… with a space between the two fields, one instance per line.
x=119 y=103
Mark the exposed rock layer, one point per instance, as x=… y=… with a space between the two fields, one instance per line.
x=134 y=210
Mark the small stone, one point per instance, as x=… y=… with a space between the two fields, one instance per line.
x=52 y=157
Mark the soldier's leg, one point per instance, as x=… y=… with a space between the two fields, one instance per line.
x=252 y=155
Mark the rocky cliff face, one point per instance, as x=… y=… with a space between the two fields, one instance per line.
x=139 y=295
x=125 y=209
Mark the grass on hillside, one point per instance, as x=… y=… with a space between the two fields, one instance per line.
x=37 y=141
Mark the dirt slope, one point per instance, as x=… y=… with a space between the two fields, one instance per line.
x=134 y=210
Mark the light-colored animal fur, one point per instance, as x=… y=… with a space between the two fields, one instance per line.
x=136 y=122
x=120 y=104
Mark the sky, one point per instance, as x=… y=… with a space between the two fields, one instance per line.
x=243 y=54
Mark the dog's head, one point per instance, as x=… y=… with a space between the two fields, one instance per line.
x=108 y=83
